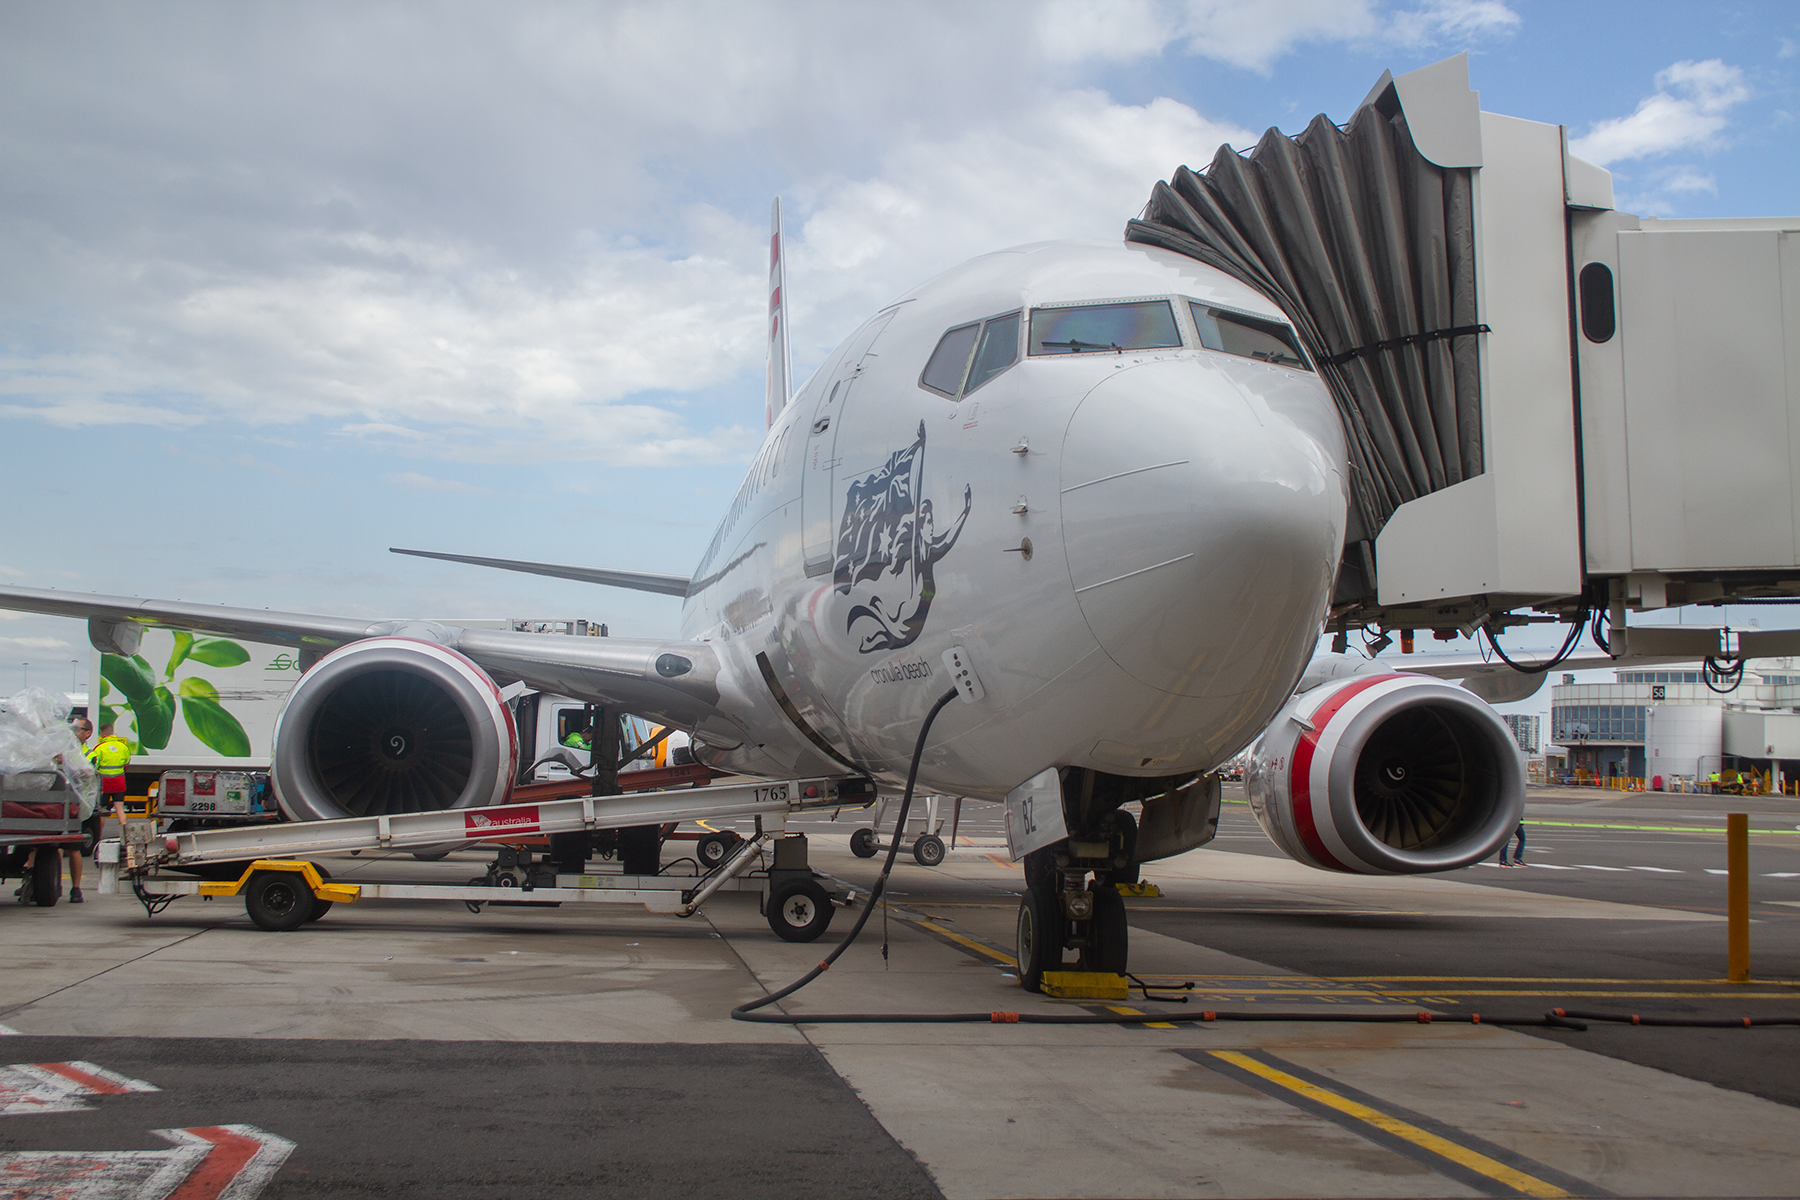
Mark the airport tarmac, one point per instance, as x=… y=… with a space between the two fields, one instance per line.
x=403 y=1048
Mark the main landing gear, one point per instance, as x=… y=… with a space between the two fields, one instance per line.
x=1072 y=905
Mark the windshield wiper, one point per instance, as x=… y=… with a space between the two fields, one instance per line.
x=1076 y=346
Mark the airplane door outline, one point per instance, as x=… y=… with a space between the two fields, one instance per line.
x=818 y=492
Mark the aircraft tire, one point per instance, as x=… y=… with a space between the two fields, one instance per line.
x=1110 y=951
x=1128 y=827
x=46 y=876
x=278 y=900
x=929 y=850
x=799 y=911
x=862 y=843
x=1039 y=947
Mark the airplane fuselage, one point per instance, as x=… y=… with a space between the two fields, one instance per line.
x=1133 y=534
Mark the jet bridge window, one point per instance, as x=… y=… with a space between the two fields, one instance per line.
x=1249 y=337
x=1083 y=329
x=996 y=347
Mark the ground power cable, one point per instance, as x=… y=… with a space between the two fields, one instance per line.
x=749 y=1011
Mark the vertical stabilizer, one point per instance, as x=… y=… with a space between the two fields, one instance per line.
x=776 y=392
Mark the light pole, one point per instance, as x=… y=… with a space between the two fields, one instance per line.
x=74 y=665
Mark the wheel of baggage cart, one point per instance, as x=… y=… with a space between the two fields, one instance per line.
x=928 y=851
x=46 y=876
x=862 y=843
x=320 y=907
x=799 y=911
x=278 y=900
x=713 y=849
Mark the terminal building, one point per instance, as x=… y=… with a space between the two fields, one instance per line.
x=1682 y=723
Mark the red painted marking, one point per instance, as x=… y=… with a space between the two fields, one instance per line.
x=230 y=1154
x=93 y=1084
x=1302 y=777
x=518 y=818
x=774 y=250
x=774 y=299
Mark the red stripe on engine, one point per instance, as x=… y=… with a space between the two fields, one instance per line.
x=1302 y=778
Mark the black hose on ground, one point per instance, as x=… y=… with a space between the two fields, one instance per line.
x=747 y=1012
x=1689 y=1022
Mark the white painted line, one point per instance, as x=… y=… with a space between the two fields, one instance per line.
x=215 y=1162
x=240 y=1160
x=1550 y=867
x=1660 y=870
x=1717 y=871
x=1592 y=867
x=9 y=1031
x=59 y=1087
x=1767 y=875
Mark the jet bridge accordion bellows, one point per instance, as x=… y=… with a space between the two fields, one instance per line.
x=1370 y=249
x=1384 y=774
x=389 y=726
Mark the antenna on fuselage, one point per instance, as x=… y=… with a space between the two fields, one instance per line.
x=775 y=395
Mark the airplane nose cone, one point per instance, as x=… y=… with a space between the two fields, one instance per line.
x=1202 y=522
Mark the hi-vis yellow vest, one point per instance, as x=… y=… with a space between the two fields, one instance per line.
x=111 y=756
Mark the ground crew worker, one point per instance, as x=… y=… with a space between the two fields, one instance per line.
x=110 y=756
x=84 y=729
x=577 y=740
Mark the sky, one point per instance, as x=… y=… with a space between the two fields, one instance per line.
x=288 y=284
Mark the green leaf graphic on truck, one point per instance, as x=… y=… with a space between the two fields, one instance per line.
x=151 y=706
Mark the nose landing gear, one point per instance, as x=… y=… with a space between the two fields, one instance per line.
x=1072 y=904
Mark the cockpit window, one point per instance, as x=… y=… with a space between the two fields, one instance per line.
x=999 y=350
x=1250 y=337
x=1141 y=325
x=944 y=373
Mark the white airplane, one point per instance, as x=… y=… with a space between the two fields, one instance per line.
x=1102 y=477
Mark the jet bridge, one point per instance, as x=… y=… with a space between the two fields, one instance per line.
x=1551 y=406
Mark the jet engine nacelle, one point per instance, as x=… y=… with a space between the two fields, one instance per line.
x=1386 y=775
x=392 y=725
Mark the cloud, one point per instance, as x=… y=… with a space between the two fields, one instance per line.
x=1688 y=110
x=426 y=483
x=495 y=235
x=1254 y=35
x=35 y=643
x=1789 y=48
x=1453 y=21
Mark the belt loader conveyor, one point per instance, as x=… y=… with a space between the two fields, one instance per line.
x=283 y=891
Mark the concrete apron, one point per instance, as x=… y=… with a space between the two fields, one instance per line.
x=990 y=1110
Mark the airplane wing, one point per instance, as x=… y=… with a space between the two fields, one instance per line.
x=672 y=682
x=1497 y=683
x=642 y=581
